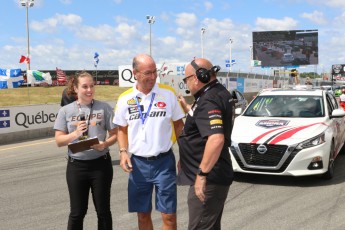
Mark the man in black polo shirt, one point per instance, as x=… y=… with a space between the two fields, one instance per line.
x=205 y=162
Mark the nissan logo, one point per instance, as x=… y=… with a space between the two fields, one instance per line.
x=262 y=149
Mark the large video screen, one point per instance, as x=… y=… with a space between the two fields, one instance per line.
x=286 y=48
x=338 y=72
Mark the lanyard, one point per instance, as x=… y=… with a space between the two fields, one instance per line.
x=142 y=117
x=211 y=85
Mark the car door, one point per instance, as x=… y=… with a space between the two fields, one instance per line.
x=338 y=124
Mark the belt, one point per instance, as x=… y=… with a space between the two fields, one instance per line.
x=105 y=156
x=153 y=157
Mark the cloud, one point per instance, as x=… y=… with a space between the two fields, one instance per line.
x=49 y=25
x=126 y=31
x=100 y=33
x=164 y=16
x=66 y=2
x=69 y=19
x=316 y=17
x=186 y=20
x=334 y=3
x=340 y=20
x=168 y=40
x=286 y=23
x=208 y=5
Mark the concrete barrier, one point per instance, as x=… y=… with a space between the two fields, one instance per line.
x=21 y=123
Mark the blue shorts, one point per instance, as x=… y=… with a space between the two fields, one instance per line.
x=148 y=174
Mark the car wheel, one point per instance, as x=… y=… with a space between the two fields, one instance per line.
x=330 y=172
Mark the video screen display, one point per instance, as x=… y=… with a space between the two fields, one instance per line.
x=286 y=48
x=338 y=72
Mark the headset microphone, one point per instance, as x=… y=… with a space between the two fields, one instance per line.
x=187 y=91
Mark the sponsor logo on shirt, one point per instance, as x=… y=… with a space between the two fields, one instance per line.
x=134 y=109
x=160 y=105
x=216 y=122
x=132 y=101
x=214 y=111
x=215 y=116
x=152 y=114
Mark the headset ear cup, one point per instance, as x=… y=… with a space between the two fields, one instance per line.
x=203 y=75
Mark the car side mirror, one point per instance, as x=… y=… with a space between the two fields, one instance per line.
x=338 y=113
x=238 y=111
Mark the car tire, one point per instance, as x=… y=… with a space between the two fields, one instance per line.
x=330 y=169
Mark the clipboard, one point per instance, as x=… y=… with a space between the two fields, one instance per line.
x=83 y=145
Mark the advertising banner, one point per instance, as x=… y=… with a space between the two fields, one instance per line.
x=21 y=118
x=127 y=78
x=240 y=84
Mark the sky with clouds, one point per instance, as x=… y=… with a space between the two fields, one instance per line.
x=67 y=33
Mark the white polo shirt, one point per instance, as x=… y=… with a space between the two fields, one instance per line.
x=156 y=135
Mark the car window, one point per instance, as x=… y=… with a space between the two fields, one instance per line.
x=331 y=103
x=286 y=106
x=334 y=101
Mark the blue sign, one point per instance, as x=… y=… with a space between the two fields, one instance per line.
x=240 y=84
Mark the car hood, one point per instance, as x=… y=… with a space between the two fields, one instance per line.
x=282 y=131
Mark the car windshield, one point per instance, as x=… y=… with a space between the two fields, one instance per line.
x=286 y=106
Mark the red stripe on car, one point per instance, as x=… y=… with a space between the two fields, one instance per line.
x=288 y=134
x=264 y=134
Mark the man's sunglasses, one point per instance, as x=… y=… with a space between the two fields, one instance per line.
x=185 y=79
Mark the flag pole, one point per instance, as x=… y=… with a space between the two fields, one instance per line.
x=28 y=44
x=95 y=62
x=96 y=74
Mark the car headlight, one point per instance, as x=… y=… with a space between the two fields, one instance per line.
x=318 y=140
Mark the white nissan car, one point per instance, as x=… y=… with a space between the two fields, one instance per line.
x=288 y=132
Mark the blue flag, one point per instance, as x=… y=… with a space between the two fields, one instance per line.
x=96 y=59
x=11 y=78
x=4 y=113
x=5 y=124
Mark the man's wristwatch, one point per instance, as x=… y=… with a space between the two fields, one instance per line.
x=201 y=173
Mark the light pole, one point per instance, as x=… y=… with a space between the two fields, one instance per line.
x=251 y=58
x=150 y=20
x=202 y=41
x=27 y=4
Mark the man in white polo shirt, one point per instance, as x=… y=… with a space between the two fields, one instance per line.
x=149 y=118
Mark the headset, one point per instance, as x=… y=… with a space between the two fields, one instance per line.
x=203 y=74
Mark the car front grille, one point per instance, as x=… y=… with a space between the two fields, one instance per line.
x=271 y=158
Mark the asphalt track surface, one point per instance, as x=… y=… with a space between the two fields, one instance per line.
x=34 y=196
